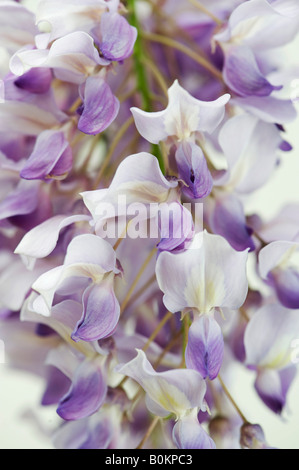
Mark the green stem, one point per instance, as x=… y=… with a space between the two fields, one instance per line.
x=137 y=55
x=142 y=84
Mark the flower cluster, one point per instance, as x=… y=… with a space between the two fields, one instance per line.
x=131 y=135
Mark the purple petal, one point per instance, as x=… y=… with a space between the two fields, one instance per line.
x=286 y=283
x=272 y=387
x=276 y=267
x=242 y=74
x=41 y=213
x=176 y=226
x=86 y=395
x=268 y=388
x=268 y=108
x=13 y=273
x=236 y=340
x=189 y=434
x=118 y=37
x=287 y=376
x=99 y=437
x=243 y=139
x=100 y=107
x=58 y=384
x=35 y=80
x=228 y=219
x=100 y=314
x=271 y=349
x=205 y=347
x=95 y=432
x=286 y=146
x=17 y=25
x=193 y=169
x=252 y=437
x=277 y=28
x=27 y=118
x=51 y=157
x=23 y=200
x=43 y=330
x=272 y=255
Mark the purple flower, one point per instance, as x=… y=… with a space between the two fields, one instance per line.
x=94 y=432
x=51 y=157
x=189 y=434
x=271 y=353
x=173 y=391
x=86 y=394
x=13 y=270
x=209 y=274
x=253 y=437
x=205 y=347
x=176 y=227
x=227 y=218
x=17 y=26
x=70 y=16
x=256 y=27
x=42 y=239
x=138 y=180
x=193 y=170
x=251 y=149
x=72 y=57
x=115 y=37
x=243 y=75
x=93 y=261
x=278 y=263
x=35 y=81
x=100 y=107
x=183 y=118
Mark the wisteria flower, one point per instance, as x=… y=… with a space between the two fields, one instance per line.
x=211 y=275
x=92 y=262
x=184 y=120
x=177 y=392
x=253 y=28
x=278 y=263
x=271 y=356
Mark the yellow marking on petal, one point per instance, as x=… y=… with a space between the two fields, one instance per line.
x=290 y=258
x=204 y=294
x=282 y=360
x=246 y=29
x=182 y=122
x=144 y=191
x=167 y=396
